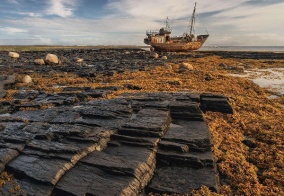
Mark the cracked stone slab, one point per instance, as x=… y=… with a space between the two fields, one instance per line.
x=39 y=115
x=186 y=110
x=108 y=123
x=135 y=141
x=120 y=170
x=14 y=146
x=32 y=188
x=195 y=134
x=138 y=105
x=68 y=117
x=112 y=160
x=52 y=131
x=87 y=180
x=194 y=159
x=215 y=103
x=173 y=146
x=45 y=168
x=182 y=180
x=13 y=133
x=55 y=99
x=147 y=122
x=47 y=171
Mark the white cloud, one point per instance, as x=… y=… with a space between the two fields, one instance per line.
x=229 y=23
x=62 y=8
x=13 y=1
x=30 y=14
x=12 y=30
x=160 y=9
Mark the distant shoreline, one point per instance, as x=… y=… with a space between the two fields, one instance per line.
x=279 y=49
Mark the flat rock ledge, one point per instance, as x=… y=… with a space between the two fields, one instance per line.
x=136 y=144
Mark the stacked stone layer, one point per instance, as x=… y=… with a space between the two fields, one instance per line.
x=138 y=143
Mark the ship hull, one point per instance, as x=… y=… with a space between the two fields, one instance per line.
x=178 y=46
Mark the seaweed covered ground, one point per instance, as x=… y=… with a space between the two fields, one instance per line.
x=248 y=146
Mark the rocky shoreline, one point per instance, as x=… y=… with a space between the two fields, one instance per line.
x=115 y=122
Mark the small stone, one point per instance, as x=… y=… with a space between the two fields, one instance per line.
x=249 y=143
x=154 y=55
x=79 y=60
x=186 y=66
x=27 y=79
x=39 y=62
x=14 y=55
x=51 y=58
x=164 y=58
x=223 y=65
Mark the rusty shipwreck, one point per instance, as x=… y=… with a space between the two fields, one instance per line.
x=162 y=41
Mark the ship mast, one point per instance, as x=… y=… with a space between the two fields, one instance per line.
x=167 y=23
x=168 y=26
x=192 y=19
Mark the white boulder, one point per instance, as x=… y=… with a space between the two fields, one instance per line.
x=27 y=79
x=186 y=66
x=154 y=55
x=79 y=60
x=39 y=62
x=14 y=55
x=51 y=58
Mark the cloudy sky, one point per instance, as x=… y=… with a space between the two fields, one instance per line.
x=124 y=22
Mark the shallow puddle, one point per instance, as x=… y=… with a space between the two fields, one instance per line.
x=272 y=79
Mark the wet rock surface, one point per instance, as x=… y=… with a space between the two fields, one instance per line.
x=137 y=143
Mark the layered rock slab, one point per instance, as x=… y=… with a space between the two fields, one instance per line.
x=74 y=139
x=215 y=103
x=148 y=123
x=119 y=170
x=87 y=180
x=184 y=159
x=50 y=151
x=181 y=180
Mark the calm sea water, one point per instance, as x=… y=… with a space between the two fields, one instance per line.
x=244 y=48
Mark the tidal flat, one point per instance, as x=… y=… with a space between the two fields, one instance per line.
x=244 y=156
